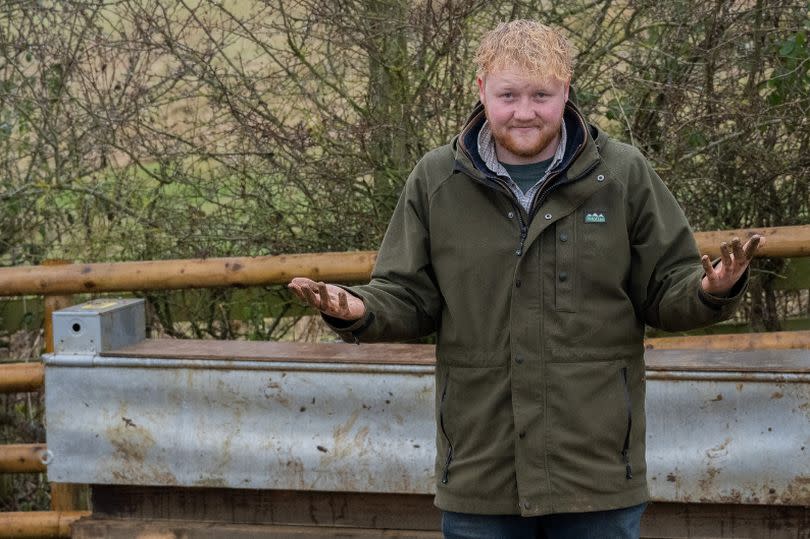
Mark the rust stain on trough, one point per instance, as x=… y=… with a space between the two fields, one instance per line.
x=797 y=491
x=130 y=441
x=719 y=450
x=129 y=464
x=706 y=483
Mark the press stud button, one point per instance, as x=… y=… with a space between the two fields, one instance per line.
x=600 y=178
x=563 y=236
x=563 y=276
x=547 y=216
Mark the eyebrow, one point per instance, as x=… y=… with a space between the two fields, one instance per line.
x=509 y=86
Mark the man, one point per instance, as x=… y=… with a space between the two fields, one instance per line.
x=537 y=248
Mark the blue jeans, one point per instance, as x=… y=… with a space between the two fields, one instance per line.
x=615 y=524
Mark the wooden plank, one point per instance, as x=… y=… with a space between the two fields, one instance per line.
x=422 y=354
x=750 y=361
x=777 y=340
x=280 y=507
x=404 y=354
x=713 y=358
x=149 y=529
x=725 y=521
x=320 y=514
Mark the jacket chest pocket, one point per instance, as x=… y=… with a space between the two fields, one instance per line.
x=565 y=274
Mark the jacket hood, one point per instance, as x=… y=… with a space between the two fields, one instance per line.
x=582 y=148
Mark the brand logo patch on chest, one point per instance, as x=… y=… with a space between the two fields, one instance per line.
x=595 y=218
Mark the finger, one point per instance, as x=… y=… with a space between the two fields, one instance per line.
x=311 y=298
x=725 y=255
x=751 y=246
x=736 y=247
x=707 y=267
x=301 y=282
x=296 y=287
x=343 y=302
x=296 y=290
x=324 y=293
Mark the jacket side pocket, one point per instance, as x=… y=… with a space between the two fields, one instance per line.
x=449 y=456
x=629 y=407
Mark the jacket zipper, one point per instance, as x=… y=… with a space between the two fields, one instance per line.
x=449 y=457
x=524 y=231
x=626 y=447
x=539 y=197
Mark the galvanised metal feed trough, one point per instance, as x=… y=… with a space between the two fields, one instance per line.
x=723 y=427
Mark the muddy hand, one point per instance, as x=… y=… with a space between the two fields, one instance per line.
x=328 y=298
x=734 y=260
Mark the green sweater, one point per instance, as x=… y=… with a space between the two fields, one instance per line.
x=526 y=176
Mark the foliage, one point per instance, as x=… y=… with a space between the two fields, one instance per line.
x=151 y=129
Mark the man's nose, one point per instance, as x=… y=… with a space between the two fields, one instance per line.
x=523 y=110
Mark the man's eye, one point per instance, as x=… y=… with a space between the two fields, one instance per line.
x=506 y=95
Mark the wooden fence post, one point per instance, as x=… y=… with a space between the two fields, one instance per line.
x=64 y=496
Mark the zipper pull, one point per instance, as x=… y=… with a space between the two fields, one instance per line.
x=524 y=231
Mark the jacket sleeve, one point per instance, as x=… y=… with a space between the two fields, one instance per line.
x=665 y=263
x=402 y=300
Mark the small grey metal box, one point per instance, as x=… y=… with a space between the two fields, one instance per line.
x=98 y=326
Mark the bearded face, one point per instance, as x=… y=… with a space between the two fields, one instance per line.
x=524 y=114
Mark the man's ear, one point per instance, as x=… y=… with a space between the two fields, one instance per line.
x=481 y=85
x=567 y=88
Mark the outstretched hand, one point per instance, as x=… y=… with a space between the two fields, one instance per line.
x=733 y=262
x=328 y=298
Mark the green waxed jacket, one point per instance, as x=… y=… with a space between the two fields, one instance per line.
x=539 y=318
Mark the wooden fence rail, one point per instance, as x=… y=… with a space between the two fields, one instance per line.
x=39 y=523
x=356 y=266
x=22 y=458
x=21 y=377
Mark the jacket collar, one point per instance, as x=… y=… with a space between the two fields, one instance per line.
x=580 y=154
